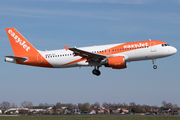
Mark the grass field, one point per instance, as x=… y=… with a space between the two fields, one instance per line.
x=90 y=118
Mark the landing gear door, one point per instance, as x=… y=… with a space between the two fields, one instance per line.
x=153 y=47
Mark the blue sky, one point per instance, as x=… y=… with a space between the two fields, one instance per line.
x=52 y=24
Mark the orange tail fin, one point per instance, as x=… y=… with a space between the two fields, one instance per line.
x=19 y=44
x=23 y=49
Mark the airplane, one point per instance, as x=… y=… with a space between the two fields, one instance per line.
x=114 y=56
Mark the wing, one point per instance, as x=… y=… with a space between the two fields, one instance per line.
x=85 y=54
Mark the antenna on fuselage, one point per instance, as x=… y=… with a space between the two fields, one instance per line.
x=149 y=39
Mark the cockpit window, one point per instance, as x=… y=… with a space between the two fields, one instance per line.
x=163 y=45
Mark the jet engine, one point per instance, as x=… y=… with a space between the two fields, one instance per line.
x=114 y=62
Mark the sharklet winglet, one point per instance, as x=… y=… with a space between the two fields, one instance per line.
x=67 y=48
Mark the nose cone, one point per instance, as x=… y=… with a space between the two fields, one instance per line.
x=173 y=50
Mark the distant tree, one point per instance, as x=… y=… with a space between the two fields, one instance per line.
x=154 y=107
x=69 y=105
x=162 y=107
x=147 y=108
x=132 y=104
x=96 y=105
x=75 y=106
x=80 y=106
x=164 y=104
x=113 y=105
x=84 y=106
x=105 y=104
x=175 y=106
x=41 y=106
x=46 y=104
x=138 y=109
x=169 y=105
x=123 y=105
x=26 y=104
x=132 y=107
x=13 y=105
x=5 y=105
x=58 y=105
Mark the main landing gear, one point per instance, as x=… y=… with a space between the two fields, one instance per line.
x=155 y=66
x=96 y=71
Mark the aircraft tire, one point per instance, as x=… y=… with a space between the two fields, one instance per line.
x=155 y=67
x=96 y=72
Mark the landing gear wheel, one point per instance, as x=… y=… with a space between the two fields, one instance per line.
x=155 y=67
x=96 y=72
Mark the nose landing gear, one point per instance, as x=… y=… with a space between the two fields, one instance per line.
x=96 y=71
x=155 y=66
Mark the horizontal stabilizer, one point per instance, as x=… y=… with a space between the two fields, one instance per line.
x=17 y=58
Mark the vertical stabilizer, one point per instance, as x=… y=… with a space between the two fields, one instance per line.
x=19 y=44
x=24 y=50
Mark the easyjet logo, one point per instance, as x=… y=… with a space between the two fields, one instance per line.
x=136 y=45
x=18 y=40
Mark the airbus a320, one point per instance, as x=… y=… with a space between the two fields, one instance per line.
x=114 y=56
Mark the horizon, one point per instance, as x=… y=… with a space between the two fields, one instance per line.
x=51 y=25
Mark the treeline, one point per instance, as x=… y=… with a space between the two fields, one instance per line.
x=132 y=107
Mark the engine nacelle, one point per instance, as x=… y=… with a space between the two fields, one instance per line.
x=115 y=62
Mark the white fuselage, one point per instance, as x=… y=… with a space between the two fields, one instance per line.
x=58 y=58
